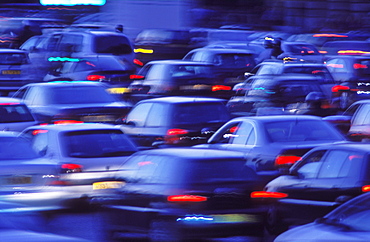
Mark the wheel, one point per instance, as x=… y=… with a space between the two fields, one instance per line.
x=274 y=224
x=163 y=231
x=344 y=100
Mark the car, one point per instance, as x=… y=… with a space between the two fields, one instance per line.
x=280 y=67
x=301 y=51
x=107 y=69
x=256 y=48
x=174 y=194
x=231 y=64
x=174 y=121
x=176 y=77
x=352 y=74
x=325 y=177
x=15 y=115
x=85 y=101
x=353 y=122
x=16 y=70
x=51 y=48
x=285 y=92
x=349 y=222
x=162 y=44
x=26 y=177
x=85 y=153
x=345 y=47
x=272 y=143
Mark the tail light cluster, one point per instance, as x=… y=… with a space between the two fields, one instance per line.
x=70 y=168
x=95 y=77
x=288 y=157
x=186 y=198
x=173 y=136
x=265 y=194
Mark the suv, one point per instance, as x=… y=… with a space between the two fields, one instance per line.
x=56 y=47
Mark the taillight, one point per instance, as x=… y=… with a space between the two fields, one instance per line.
x=95 y=77
x=71 y=168
x=176 y=131
x=138 y=62
x=136 y=77
x=338 y=88
x=359 y=66
x=264 y=194
x=283 y=160
x=67 y=122
x=366 y=188
x=216 y=88
x=173 y=135
x=39 y=131
x=186 y=198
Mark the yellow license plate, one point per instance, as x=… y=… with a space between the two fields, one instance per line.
x=236 y=218
x=11 y=72
x=99 y=118
x=196 y=87
x=118 y=90
x=107 y=185
x=14 y=180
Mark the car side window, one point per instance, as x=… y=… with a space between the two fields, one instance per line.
x=226 y=133
x=155 y=72
x=337 y=163
x=243 y=133
x=71 y=43
x=39 y=140
x=309 y=167
x=53 y=42
x=363 y=116
x=139 y=114
x=156 y=116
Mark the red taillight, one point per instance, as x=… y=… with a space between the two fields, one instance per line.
x=59 y=183
x=138 y=62
x=286 y=160
x=359 y=66
x=264 y=194
x=366 y=188
x=216 y=88
x=177 y=131
x=8 y=104
x=173 y=135
x=338 y=88
x=71 y=168
x=186 y=198
x=136 y=77
x=39 y=131
x=95 y=77
x=68 y=122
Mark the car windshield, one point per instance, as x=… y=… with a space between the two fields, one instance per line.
x=80 y=95
x=14 y=148
x=97 y=143
x=300 y=49
x=234 y=60
x=195 y=113
x=300 y=130
x=112 y=44
x=190 y=70
x=15 y=113
x=13 y=59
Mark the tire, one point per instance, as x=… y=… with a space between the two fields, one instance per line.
x=164 y=231
x=274 y=224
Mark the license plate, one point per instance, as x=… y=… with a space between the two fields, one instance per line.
x=107 y=185
x=14 y=180
x=99 y=118
x=11 y=72
x=235 y=218
x=118 y=90
x=196 y=87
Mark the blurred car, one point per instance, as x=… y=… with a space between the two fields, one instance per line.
x=49 y=49
x=285 y=92
x=256 y=48
x=162 y=44
x=349 y=222
x=323 y=179
x=177 y=77
x=175 y=194
x=26 y=177
x=279 y=67
x=15 y=115
x=107 y=69
x=301 y=51
x=16 y=70
x=275 y=142
x=85 y=101
x=85 y=153
x=174 y=121
x=231 y=64
x=345 y=47
x=353 y=75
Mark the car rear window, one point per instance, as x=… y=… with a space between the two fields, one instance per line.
x=79 y=95
x=112 y=44
x=15 y=113
x=195 y=113
x=13 y=59
x=14 y=148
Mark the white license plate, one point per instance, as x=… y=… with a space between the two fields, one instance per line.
x=99 y=118
x=107 y=185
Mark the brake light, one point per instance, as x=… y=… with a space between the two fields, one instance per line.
x=60 y=122
x=95 y=77
x=173 y=135
x=286 y=160
x=323 y=52
x=186 y=198
x=220 y=88
x=359 y=66
x=338 y=88
x=329 y=35
x=176 y=131
x=39 y=131
x=71 y=168
x=136 y=77
x=9 y=103
x=138 y=62
x=264 y=194
x=366 y=188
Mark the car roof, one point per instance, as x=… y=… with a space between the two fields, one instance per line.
x=179 y=62
x=6 y=50
x=363 y=146
x=274 y=118
x=180 y=99
x=286 y=77
x=10 y=100
x=223 y=50
x=75 y=127
x=194 y=153
x=65 y=83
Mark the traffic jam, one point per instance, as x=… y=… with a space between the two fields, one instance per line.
x=175 y=136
